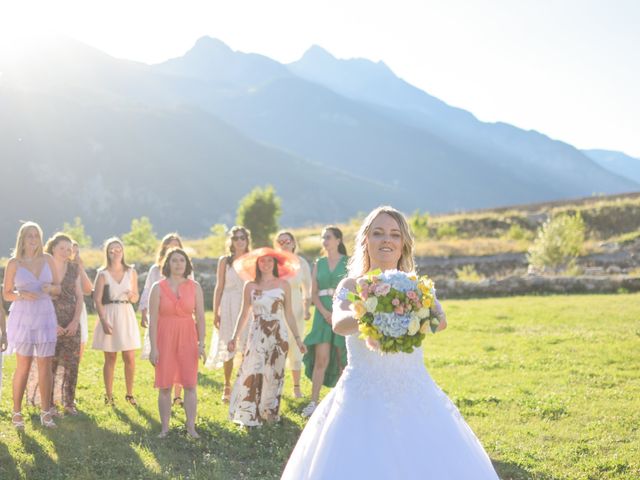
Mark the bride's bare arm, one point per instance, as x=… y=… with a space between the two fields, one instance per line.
x=342 y=318
x=439 y=313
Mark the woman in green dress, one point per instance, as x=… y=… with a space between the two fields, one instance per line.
x=326 y=353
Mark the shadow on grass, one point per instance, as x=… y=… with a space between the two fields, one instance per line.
x=8 y=467
x=207 y=381
x=122 y=443
x=512 y=471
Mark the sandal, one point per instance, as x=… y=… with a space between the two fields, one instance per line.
x=309 y=409
x=177 y=401
x=131 y=400
x=43 y=419
x=226 y=395
x=296 y=391
x=71 y=410
x=108 y=400
x=17 y=423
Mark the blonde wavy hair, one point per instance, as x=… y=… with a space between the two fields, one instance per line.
x=18 y=251
x=360 y=263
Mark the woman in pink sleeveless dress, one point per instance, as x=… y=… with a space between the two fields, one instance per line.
x=30 y=280
x=176 y=340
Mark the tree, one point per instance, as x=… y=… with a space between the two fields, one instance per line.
x=559 y=241
x=76 y=232
x=141 y=236
x=260 y=211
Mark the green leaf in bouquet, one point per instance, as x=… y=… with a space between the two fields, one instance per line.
x=352 y=297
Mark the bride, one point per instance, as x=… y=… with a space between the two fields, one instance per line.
x=386 y=418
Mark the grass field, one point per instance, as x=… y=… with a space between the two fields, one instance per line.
x=551 y=386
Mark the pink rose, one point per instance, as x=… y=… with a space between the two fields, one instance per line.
x=382 y=289
x=364 y=294
x=395 y=302
x=399 y=310
x=411 y=295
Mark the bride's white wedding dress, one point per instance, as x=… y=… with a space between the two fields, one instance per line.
x=387 y=419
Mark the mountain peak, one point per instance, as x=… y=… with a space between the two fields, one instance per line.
x=208 y=45
x=316 y=52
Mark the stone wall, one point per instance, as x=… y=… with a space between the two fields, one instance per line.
x=528 y=285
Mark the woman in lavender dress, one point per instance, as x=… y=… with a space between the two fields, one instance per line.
x=30 y=280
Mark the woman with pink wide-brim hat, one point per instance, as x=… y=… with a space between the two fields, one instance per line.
x=256 y=394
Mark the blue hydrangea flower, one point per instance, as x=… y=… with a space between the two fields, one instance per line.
x=398 y=280
x=392 y=324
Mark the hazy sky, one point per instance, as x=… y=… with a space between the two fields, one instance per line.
x=567 y=68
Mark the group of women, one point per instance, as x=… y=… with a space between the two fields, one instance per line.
x=259 y=310
x=385 y=418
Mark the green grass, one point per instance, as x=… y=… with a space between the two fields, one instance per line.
x=549 y=384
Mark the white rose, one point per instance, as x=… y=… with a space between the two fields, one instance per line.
x=423 y=312
x=414 y=325
x=371 y=303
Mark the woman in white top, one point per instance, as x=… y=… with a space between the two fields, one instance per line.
x=227 y=299
x=169 y=241
x=300 y=302
x=117 y=327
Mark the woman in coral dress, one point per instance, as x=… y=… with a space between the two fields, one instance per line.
x=176 y=340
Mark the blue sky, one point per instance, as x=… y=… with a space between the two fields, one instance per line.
x=568 y=68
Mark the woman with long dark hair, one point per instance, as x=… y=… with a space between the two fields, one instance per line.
x=227 y=298
x=169 y=241
x=177 y=341
x=326 y=356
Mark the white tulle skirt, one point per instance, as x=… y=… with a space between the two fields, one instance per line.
x=388 y=427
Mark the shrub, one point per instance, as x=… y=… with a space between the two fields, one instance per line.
x=446 y=230
x=516 y=232
x=141 y=237
x=468 y=273
x=260 y=211
x=76 y=232
x=419 y=224
x=559 y=241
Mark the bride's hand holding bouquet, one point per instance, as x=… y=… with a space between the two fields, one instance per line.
x=394 y=310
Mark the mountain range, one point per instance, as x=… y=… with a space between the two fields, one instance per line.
x=85 y=134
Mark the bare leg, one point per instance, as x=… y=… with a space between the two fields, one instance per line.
x=177 y=390
x=228 y=370
x=319 y=368
x=295 y=374
x=129 y=358
x=107 y=372
x=45 y=382
x=164 y=406
x=190 y=408
x=20 y=376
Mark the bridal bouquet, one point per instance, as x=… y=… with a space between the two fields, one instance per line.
x=393 y=310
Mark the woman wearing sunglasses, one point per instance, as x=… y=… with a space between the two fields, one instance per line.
x=300 y=303
x=227 y=299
